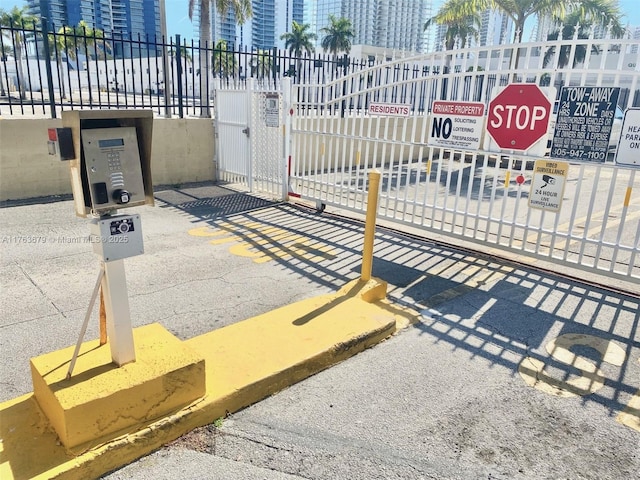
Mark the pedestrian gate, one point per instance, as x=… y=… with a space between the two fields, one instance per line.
x=250 y=141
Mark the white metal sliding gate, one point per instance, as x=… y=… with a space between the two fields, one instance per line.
x=249 y=144
x=473 y=195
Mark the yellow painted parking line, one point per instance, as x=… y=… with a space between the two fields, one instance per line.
x=476 y=275
x=630 y=416
x=592 y=378
x=446 y=295
x=263 y=243
x=272 y=234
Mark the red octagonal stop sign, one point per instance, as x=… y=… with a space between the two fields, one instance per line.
x=518 y=116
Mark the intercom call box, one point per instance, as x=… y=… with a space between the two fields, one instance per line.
x=113 y=169
x=109 y=155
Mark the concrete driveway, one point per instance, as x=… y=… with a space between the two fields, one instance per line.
x=485 y=385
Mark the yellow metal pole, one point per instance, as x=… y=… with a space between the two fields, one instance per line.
x=370 y=225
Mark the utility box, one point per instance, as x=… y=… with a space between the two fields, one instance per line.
x=112 y=165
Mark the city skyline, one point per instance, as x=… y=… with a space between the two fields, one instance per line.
x=178 y=21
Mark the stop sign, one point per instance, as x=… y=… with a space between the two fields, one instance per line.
x=518 y=116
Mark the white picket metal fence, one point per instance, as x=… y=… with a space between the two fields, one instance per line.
x=250 y=146
x=478 y=195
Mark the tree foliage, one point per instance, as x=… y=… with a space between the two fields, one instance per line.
x=299 y=39
x=241 y=8
x=224 y=60
x=18 y=19
x=338 y=35
x=460 y=27
x=605 y=13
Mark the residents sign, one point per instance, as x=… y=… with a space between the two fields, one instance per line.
x=628 y=151
x=547 y=185
x=456 y=125
x=389 y=109
x=584 y=123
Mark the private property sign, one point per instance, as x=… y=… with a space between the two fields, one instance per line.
x=628 y=151
x=389 y=109
x=456 y=124
x=518 y=116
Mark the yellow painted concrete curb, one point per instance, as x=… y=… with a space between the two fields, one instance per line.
x=245 y=362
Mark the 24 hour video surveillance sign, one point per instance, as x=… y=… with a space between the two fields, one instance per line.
x=547 y=185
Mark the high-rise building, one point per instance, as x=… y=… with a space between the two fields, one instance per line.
x=396 y=25
x=270 y=19
x=496 y=28
x=399 y=25
x=125 y=18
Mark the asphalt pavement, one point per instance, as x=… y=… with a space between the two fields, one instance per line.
x=460 y=394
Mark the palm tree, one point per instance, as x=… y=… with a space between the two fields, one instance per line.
x=299 y=40
x=242 y=11
x=577 y=25
x=185 y=57
x=338 y=35
x=62 y=43
x=261 y=64
x=74 y=41
x=601 y=12
x=92 y=39
x=224 y=60
x=18 y=18
x=604 y=13
x=459 y=28
x=568 y=30
x=4 y=53
x=184 y=54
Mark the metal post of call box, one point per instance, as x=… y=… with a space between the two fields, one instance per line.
x=110 y=170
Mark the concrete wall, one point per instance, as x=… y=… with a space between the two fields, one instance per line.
x=182 y=151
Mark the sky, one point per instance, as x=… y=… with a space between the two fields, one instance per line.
x=178 y=19
x=178 y=14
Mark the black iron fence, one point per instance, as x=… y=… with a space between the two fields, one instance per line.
x=47 y=69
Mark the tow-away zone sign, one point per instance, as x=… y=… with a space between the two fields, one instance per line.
x=456 y=125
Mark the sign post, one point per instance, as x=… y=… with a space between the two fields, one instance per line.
x=518 y=116
x=584 y=123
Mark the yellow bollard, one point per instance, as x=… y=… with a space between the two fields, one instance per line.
x=370 y=225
